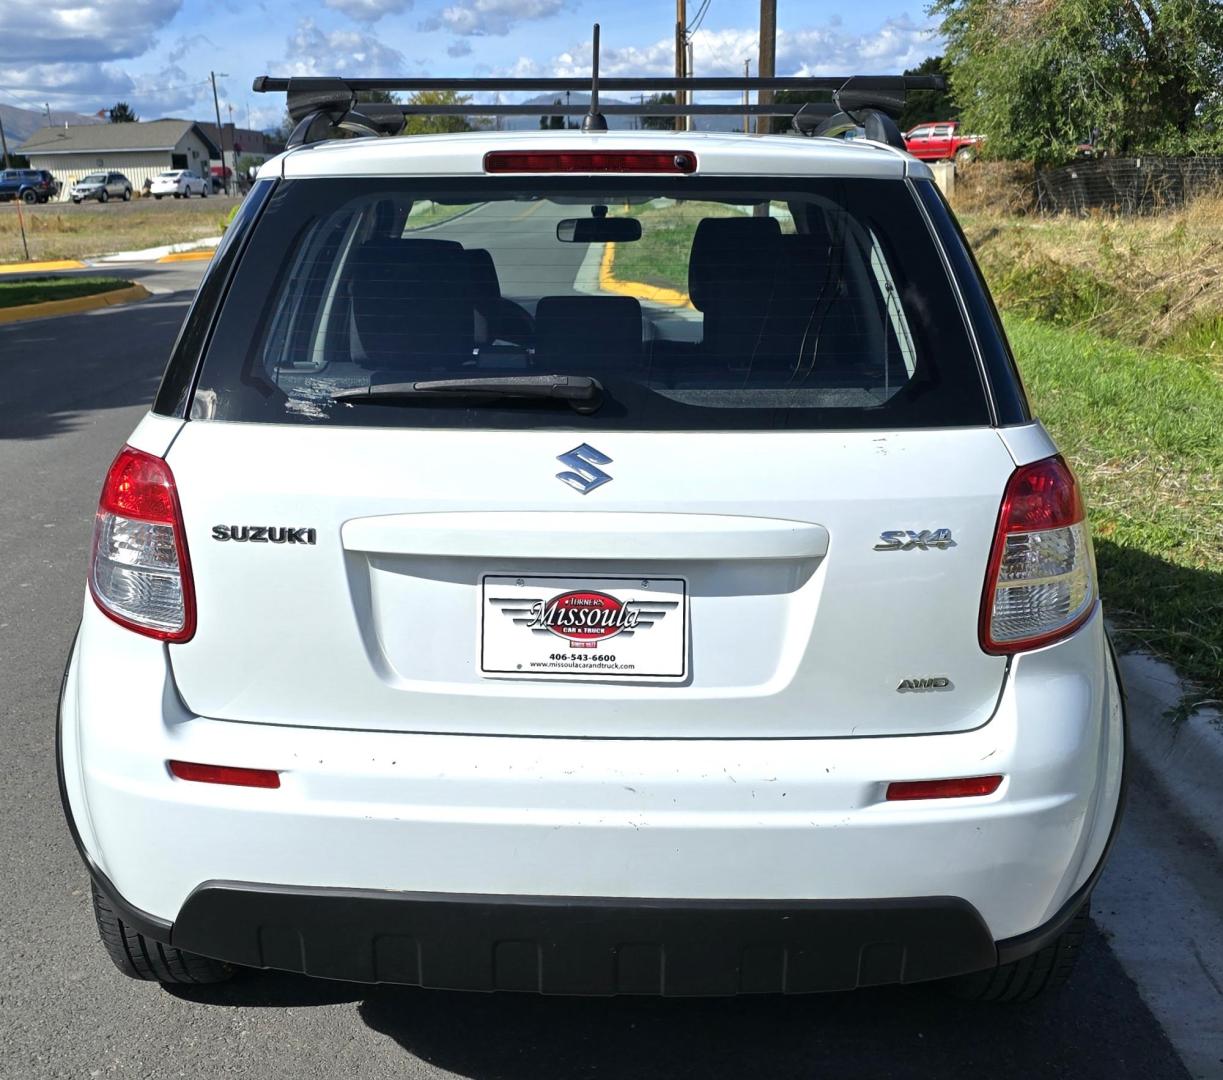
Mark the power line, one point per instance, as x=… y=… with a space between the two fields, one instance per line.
x=700 y=18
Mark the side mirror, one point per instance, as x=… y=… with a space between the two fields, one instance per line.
x=598 y=230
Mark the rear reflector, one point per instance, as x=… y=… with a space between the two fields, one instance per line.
x=1041 y=583
x=225 y=774
x=961 y=788
x=590 y=161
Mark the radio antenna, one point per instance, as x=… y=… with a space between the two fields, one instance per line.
x=594 y=120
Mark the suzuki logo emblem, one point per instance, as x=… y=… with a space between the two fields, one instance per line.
x=584 y=460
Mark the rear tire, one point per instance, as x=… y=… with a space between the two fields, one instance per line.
x=29 y=197
x=965 y=156
x=139 y=958
x=104 y=196
x=1022 y=980
x=127 y=194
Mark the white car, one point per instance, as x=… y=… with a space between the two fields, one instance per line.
x=181 y=183
x=636 y=571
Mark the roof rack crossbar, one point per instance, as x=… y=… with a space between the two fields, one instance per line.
x=319 y=105
x=829 y=83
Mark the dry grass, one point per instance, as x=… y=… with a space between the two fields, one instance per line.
x=1152 y=281
x=56 y=231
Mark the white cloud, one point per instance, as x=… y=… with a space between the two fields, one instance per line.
x=897 y=44
x=476 y=18
x=79 y=31
x=369 y=11
x=311 y=51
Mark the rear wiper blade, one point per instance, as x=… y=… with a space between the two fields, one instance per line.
x=580 y=392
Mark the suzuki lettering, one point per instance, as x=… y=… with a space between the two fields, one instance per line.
x=584 y=460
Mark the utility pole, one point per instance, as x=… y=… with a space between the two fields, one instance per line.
x=747 y=74
x=681 y=60
x=766 y=68
x=3 y=142
x=220 y=132
x=46 y=106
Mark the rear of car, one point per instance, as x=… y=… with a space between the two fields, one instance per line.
x=28 y=185
x=595 y=564
x=181 y=183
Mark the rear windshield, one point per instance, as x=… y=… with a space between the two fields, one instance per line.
x=687 y=303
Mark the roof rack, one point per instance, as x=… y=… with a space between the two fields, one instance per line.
x=319 y=106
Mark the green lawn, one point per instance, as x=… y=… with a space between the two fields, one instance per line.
x=37 y=290
x=1144 y=432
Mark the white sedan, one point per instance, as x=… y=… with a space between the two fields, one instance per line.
x=181 y=183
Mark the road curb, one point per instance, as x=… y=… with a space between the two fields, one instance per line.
x=608 y=282
x=1184 y=753
x=38 y=267
x=75 y=305
x=159 y=254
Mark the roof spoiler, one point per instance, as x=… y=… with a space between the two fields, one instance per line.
x=319 y=106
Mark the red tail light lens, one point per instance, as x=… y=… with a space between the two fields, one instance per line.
x=960 y=788
x=1041 y=583
x=590 y=161
x=224 y=774
x=139 y=574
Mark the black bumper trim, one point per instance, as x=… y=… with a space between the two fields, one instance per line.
x=583 y=945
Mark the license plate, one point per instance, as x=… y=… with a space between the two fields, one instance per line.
x=583 y=627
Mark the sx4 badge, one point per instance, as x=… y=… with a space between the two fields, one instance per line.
x=584 y=627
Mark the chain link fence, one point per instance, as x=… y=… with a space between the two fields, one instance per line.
x=1141 y=185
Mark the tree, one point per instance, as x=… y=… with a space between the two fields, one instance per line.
x=659 y=123
x=432 y=124
x=922 y=105
x=121 y=113
x=1038 y=77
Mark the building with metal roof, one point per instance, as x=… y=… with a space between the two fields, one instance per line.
x=138 y=150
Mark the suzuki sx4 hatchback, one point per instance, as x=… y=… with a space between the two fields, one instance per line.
x=593 y=563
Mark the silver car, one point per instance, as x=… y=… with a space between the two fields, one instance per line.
x=102 y=186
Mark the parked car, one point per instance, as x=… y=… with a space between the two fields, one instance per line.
x=28 y=185
x=181 y=183
x=102 y=186
x=942 y=141
x=455 y=621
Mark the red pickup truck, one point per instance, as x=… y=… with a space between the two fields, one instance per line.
x=941 y=141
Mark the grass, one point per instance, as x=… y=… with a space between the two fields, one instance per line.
x=1144 y=432
x=38 y=290
x=1154 y=281
x=427 y=213
x=56 y=231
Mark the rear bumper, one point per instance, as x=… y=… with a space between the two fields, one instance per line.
x=593 y=866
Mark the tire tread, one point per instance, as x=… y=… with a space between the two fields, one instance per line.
x=1031 y=976
x=139 y=957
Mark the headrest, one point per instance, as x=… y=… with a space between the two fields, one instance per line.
x=484 y=283
x=732 y=258
x=412 y=301
x=599 y=327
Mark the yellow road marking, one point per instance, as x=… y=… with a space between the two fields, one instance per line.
x=75 y=305
x=608 y=282
x=187 y=256
x=35 y=267
x=532 y=209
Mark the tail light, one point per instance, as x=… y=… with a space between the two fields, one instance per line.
x=139 y=574
x=1041 y=584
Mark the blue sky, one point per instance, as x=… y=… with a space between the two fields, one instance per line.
x=83 y=55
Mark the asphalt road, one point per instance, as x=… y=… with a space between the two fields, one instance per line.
x=71 y=389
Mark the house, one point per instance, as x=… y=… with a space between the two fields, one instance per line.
x=239 y=143
x=139 y=150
